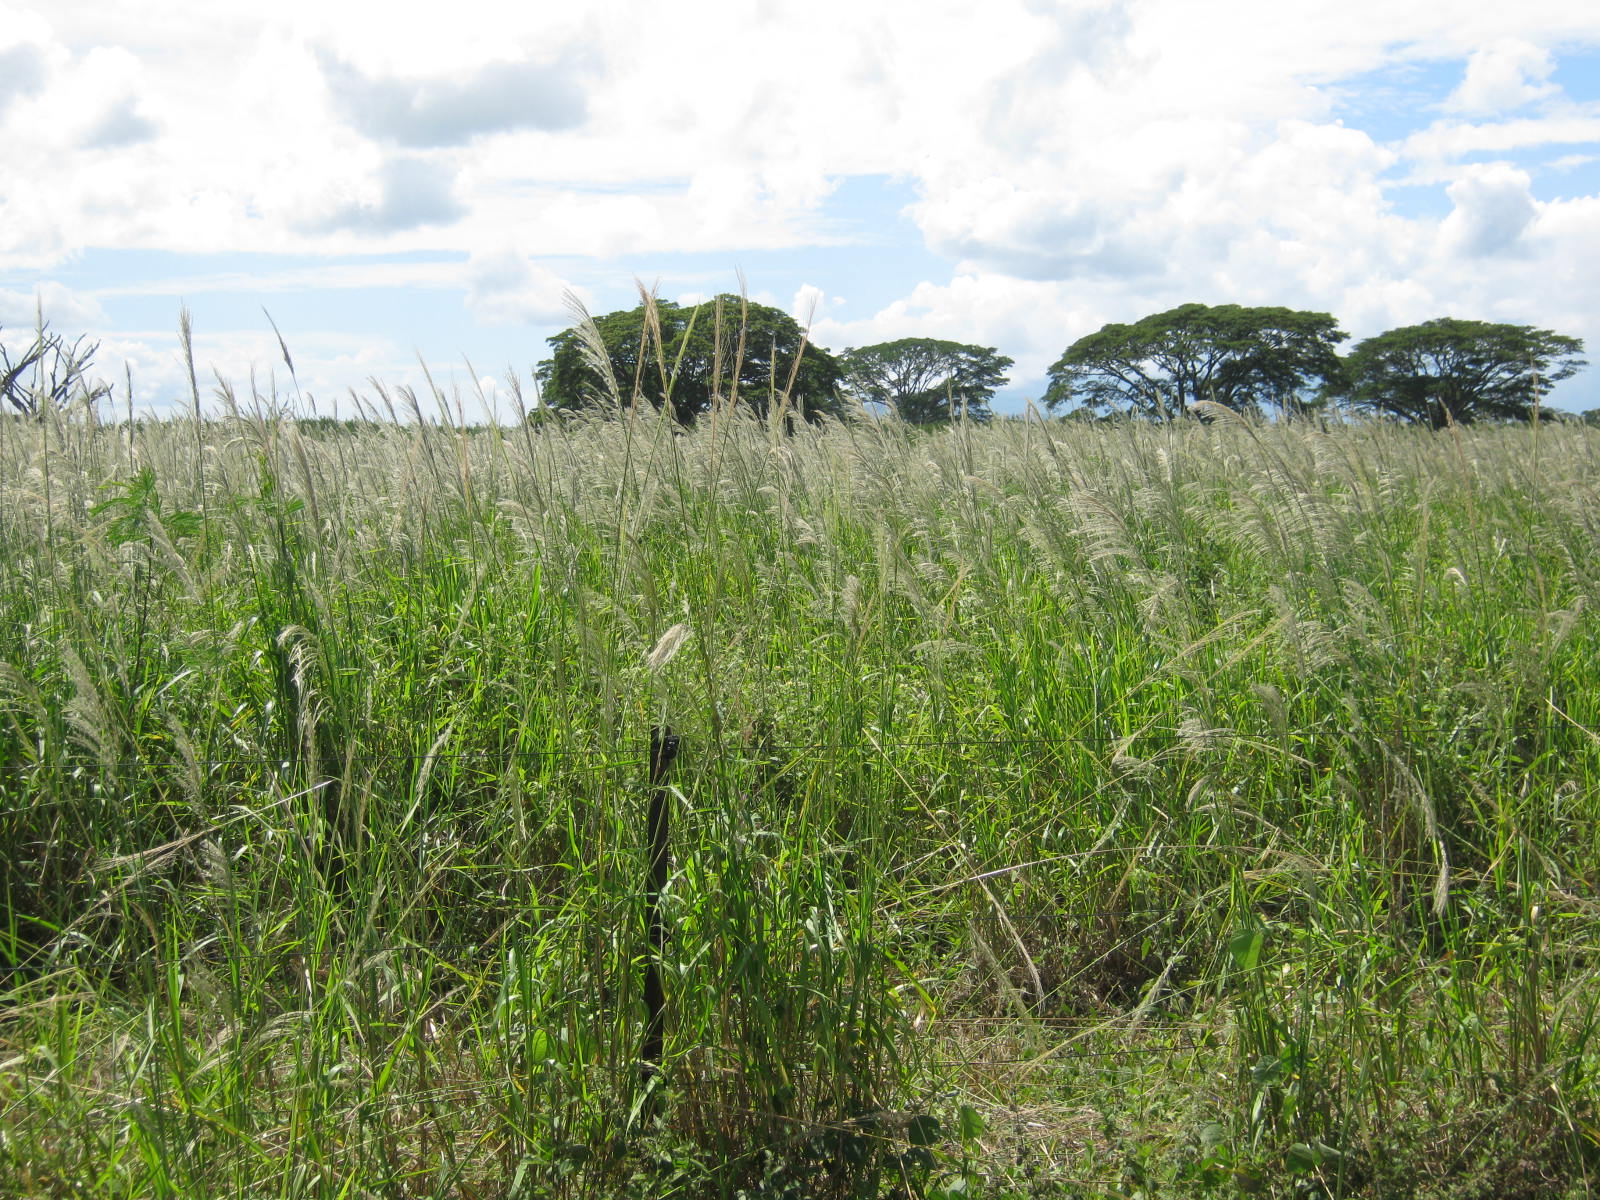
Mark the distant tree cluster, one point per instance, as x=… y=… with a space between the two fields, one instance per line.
x=1266 y=360
x=1449 y=371
x=925 y=380
x=687 y=358
x=1441 y=372
x=732 y=351
x=1245 y=358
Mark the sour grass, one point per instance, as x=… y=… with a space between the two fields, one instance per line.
x=1060 y=806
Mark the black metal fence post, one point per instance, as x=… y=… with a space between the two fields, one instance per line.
x=663 y=749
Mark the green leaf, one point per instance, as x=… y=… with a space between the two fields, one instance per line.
x=1269 y=1071
x=924 y=1130
x=1303 y=1157
x=1245 y=946
x=685 y=358
x=971 y=1123
x=182 y=524
x=918 y=1158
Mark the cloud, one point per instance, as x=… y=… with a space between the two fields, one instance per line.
x=321 y=276
x=1492 y=209
x=1192 y=203
x=63 y=101
x=1502 y=76
x=412 y=192
x=808 y=303
x=497 y=98
x=120 y=125
x=326 y=366
x=1072 y=161
x=65 y=310
x=1046 y=231
x=22 y=71
x=1028 y=320
x=1454 y=139
x=506 y=288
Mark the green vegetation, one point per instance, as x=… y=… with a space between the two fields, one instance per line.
x=1283 y=361
x=1062 y=809
x=1261 y=361
x=1250 y=359
x=726 y=347
x=1449 y=371
x=926 y=381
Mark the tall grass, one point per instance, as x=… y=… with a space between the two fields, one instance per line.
x=1060 y=807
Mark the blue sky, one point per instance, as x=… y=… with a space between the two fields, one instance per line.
x=1014 y=175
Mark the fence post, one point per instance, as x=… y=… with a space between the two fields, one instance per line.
x=663 y=749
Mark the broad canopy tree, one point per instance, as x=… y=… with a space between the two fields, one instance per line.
x=1452 y=371
x=723 y=350
x=926 y=380
x=1159 y=367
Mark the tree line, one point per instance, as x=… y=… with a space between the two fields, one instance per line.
x=1270 y=361
x=1266 y=360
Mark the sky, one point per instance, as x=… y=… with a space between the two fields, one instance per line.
x=391 y=186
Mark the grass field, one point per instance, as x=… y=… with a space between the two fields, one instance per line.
x=1060 y=810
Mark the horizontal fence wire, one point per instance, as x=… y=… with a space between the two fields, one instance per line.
x=470 y=1093
x=582 y=762
x=365 y=955
x=1195 y=740
x=281 y=763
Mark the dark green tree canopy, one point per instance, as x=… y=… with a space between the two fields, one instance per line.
x=922 y=379
x=727 y=349
x=1246 y=358
x=1450 y=370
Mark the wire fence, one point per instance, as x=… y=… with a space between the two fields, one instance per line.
x=1221 y=736
x=1007 y=929
x=959 y=870
x=767 y=755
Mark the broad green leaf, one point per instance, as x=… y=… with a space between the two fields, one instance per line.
x=1245 y=946
x=924 y=1130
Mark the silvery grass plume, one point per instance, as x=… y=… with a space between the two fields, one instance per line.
x=669 y=644
x=595 y=354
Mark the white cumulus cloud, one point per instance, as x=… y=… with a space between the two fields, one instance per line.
x=450 y=110
x=407 y=191
x=808 y=304
x=1492 y=208
x=1502 y=76
x=62 y=308
x=1069 y=162
x=506 y=287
